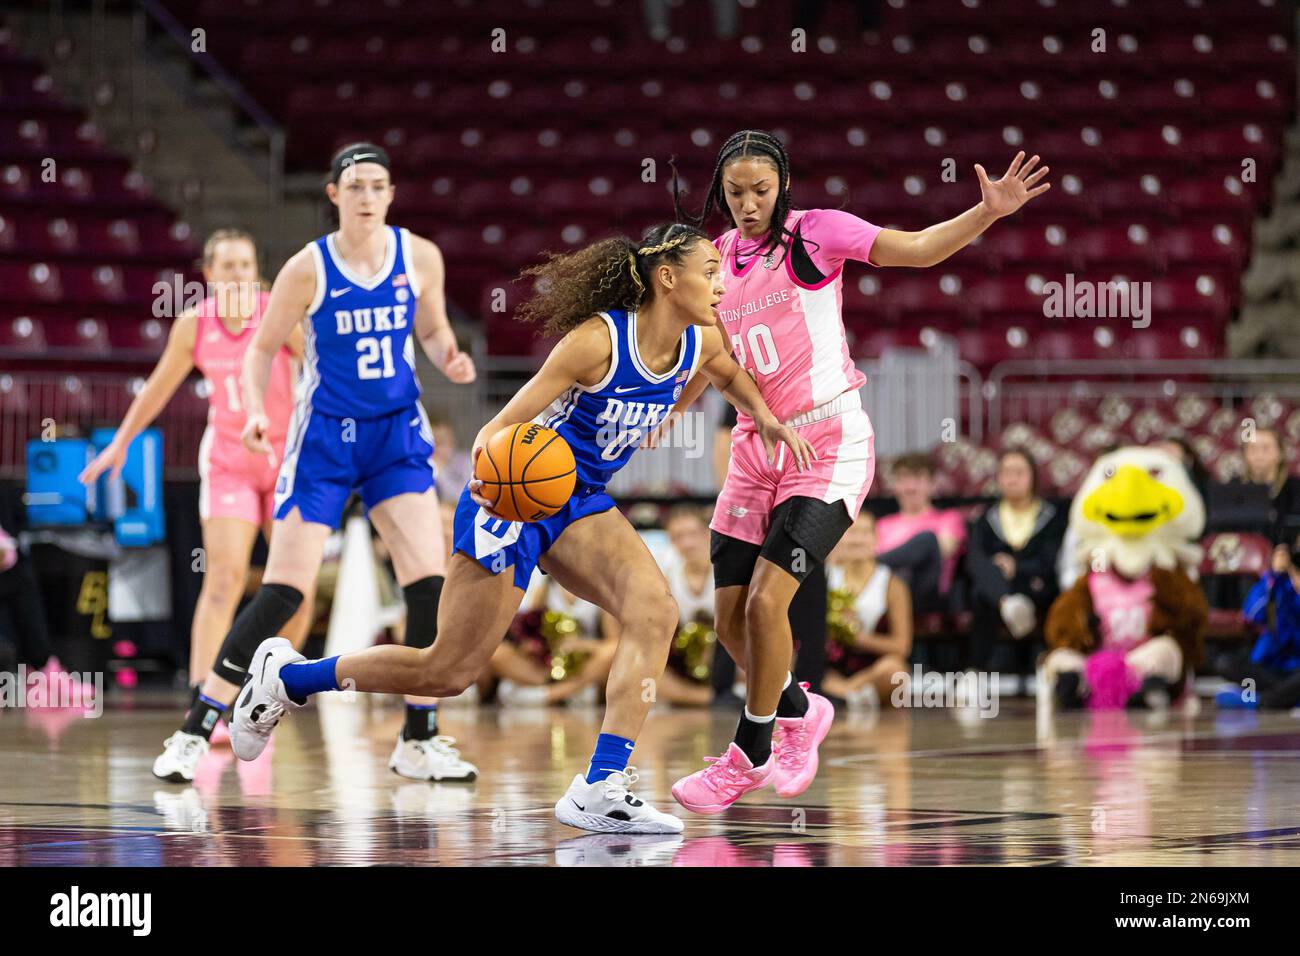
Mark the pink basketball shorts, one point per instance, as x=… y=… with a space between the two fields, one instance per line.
x=846 y=464
x=233 y=483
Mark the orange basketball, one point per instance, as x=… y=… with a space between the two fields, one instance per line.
x=527 y=470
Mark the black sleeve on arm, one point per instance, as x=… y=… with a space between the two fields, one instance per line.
x=981 y=545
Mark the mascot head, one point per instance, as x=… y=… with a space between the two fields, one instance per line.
x=1137 y=508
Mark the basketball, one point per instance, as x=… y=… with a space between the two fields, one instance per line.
x=528 y=471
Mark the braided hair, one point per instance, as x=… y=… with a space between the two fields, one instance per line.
x=746 y=143
x=614 y=273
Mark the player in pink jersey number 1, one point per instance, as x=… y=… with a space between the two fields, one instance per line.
x=774 y=523
x=236 y=489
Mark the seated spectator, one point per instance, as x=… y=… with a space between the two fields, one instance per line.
x=1264 y=455
x=451 y=464
x=870 y=636
x=1011 y=558
x=537 y=666
x=920 y=543
x=1273 y=666
x=689 y=571
x=1178 y=447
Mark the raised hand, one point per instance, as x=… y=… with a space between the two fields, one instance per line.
x=1018 y=185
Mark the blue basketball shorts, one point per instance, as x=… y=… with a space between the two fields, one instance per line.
x=327 y=458
x=498 y=544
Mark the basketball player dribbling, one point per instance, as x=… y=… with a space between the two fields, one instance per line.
x=782 y=314
x=236 y=489
x=638 y=320
x=365 y=291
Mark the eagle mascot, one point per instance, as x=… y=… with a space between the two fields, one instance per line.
x=1133 y=625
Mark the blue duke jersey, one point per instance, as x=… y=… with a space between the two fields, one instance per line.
x=606 y=422
x=358 y=424
x=359 y=357
x=604 y=425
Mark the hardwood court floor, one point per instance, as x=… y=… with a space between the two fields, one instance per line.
x=922 y=787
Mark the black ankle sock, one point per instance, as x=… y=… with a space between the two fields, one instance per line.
x=755 y=739
x=1152 y=685
x=202 y=717
x=794 y=702
x=1068 y=690
x=421 y=722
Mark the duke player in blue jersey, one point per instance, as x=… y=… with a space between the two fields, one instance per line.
x=638 y=320
x=364 y=295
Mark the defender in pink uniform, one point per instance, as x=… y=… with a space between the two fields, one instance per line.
x=775 y=522
x=809 y=377
x=232 y=482
x=236 y=489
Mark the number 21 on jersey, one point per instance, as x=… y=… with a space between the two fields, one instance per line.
x=367 y=363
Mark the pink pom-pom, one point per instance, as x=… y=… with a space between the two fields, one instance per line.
x=124 y=648
x=127 y=678
x=1110 y=682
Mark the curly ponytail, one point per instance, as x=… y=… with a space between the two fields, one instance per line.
x=614 y=273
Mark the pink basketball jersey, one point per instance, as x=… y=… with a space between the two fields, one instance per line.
x=1123 y=609
x=219 y=355
x=788 y=334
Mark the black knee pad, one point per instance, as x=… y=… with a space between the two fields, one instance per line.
x=733 y=560
x=422 y=610
x=270 y=610
x=803 y=534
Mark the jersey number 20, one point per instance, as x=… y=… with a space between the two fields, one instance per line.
x=761 y=347
x=369 y=359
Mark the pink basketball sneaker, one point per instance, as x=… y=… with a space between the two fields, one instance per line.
x=795 y=742
x=724 y=781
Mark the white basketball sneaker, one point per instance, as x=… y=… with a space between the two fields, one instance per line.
x=263 y=700
x=609 y=806
x=181 y=755
x=182 y=811
x=618 y=849
x=433 y=759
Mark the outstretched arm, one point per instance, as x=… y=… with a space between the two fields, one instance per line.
x=174 y=364
x=1018 y=185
